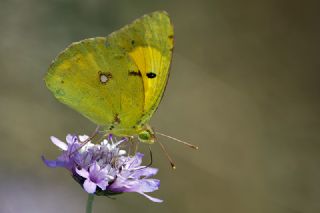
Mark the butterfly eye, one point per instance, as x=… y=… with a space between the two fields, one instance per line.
x=144 y=135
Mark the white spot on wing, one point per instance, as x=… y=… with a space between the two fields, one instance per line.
x=103 y=78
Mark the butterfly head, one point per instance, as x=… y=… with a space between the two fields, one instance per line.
x=147 y=135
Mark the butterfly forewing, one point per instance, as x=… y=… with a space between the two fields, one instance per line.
x=149 y=42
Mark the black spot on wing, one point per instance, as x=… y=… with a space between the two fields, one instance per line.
x=116 y=119
x=151 y=75
x=134 y=73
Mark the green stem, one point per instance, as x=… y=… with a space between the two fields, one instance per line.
x=89 y=203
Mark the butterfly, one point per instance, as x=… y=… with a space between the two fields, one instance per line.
x=117 y=81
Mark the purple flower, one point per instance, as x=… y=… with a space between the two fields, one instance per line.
x=135 y=178
x=96 y=177
x=104 y=169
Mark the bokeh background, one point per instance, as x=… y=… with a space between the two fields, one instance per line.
x=244 y=86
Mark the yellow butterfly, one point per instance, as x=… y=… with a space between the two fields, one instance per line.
x=117 y=81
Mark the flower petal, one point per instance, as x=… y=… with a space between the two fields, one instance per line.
x=94 y=168
x=157 y=200
x=122 y=152
x=89 y=186
x=146 y=185
x=83 y=173
x=135 y=161
x=53 y=163
x=71 y=139
x=83 y=137
x=59 y=143
x=145 y=172
x=103 y=184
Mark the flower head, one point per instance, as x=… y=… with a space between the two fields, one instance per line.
x=104 y=169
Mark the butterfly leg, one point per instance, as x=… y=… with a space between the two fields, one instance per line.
x=93 y=135
x=133 y=146
x=151 y=159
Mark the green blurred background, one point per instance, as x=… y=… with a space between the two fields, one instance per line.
x=244 y=86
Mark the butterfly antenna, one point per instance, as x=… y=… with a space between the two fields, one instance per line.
x=180 y=141
x=173 y=166
x=94 y=134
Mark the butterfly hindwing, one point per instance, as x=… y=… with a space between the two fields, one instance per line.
x=75 y=79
